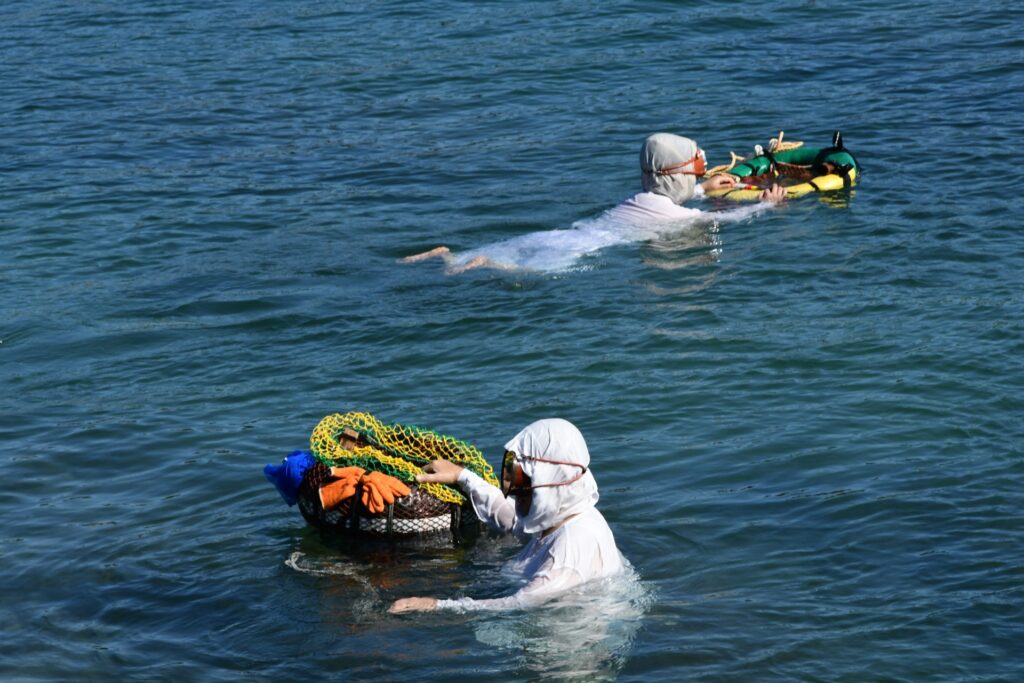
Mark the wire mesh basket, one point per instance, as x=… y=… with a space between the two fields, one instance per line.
x=417 y=513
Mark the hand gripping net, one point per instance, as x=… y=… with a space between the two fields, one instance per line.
x=395 y=449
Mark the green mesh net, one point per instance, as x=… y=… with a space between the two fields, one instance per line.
x=395 y=449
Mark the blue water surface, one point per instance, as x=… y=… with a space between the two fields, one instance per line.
x=806 y=425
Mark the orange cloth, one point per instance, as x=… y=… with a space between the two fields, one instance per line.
x=379 y=489
x=345 y=487
x=345 y=472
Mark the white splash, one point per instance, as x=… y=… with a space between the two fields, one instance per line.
x=553 y=251
x=326 y=567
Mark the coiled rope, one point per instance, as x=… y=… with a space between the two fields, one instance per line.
x=774 y=145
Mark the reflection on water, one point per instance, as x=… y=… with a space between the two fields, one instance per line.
x=586 y=634
x=837 y=200
x=583 y=635
x=698 y=246
x=349 y=596
x=360 y=577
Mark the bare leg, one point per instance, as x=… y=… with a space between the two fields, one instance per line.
x=451 y=269
x=436 y=251
x=478 y=262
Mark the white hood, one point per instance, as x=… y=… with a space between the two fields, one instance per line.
x=659 y=152
x=553 y=439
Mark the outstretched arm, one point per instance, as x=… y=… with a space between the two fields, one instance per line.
x=773 y=195
x=543 y=588
x=493 y=508
x=440 y=472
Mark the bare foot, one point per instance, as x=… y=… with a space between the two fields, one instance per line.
x=436 y=251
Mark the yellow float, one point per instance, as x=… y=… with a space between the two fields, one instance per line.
x=802 y=170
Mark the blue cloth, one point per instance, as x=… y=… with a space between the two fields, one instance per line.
x=287 y=476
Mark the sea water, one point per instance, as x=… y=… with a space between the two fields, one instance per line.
x=805 y=425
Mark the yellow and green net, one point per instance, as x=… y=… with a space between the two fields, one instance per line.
x=395 y=449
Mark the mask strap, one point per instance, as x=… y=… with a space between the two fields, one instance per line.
x=566 y=482
x=673 y=170
x=583 y=471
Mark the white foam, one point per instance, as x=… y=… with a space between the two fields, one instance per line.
x=333 y=567
x=548 y=251
x=552 y=251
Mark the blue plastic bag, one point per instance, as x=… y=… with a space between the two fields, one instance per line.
x=287 y=476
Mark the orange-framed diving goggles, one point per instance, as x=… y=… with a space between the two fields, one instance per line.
x=699 y=163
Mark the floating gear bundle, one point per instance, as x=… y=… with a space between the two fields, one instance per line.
x=811 y=169
x=378 y=490
x=364 y=477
